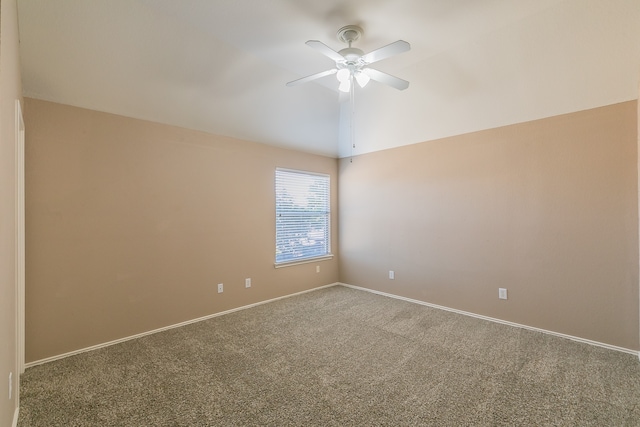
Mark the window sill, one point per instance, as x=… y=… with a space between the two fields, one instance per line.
x=303 y=261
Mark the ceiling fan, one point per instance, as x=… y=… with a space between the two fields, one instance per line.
x=353 y=64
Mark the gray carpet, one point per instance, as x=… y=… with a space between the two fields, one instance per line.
x=337 y=357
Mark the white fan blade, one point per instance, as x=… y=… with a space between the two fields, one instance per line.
x=313 y=77
x=325 y=50
x=385 y=78
x=386 y=51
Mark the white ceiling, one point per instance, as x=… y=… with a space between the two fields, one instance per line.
x=221 y=66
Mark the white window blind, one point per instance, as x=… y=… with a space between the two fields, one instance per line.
x=302 y=216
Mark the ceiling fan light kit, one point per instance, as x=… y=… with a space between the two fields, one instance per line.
x=353 y=64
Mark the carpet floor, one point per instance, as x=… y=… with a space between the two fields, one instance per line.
x=337 y=357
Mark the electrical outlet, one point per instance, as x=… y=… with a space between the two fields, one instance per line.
x=317 y=269
x=10 y=385
x=220 y=288
x=247 y=283
x=392 y=274
x=502 y=293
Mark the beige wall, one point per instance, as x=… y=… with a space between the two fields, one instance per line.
x=10 y=90
x=547 y=209
x=132 y=224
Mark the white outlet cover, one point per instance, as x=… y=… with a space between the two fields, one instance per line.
x=247 y=283
x=502 y=293
x=220 y=288
x=392 y=274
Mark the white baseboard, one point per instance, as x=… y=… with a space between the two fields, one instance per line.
x=222 y=313
x=491 y=319
x=177 y=325
x=16 y=414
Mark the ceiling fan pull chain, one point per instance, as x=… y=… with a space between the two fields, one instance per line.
x=352 y=102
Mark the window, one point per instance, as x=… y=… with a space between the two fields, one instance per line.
x=302 y=216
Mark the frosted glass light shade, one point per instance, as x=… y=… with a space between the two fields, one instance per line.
x=362 y=79
x=343 y=75
x=345 y=86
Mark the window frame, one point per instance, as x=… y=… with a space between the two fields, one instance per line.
x=325 y=214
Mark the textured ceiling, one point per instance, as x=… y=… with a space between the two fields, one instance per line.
x=221 y=66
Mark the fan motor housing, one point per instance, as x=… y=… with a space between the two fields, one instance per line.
x=351 y=54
